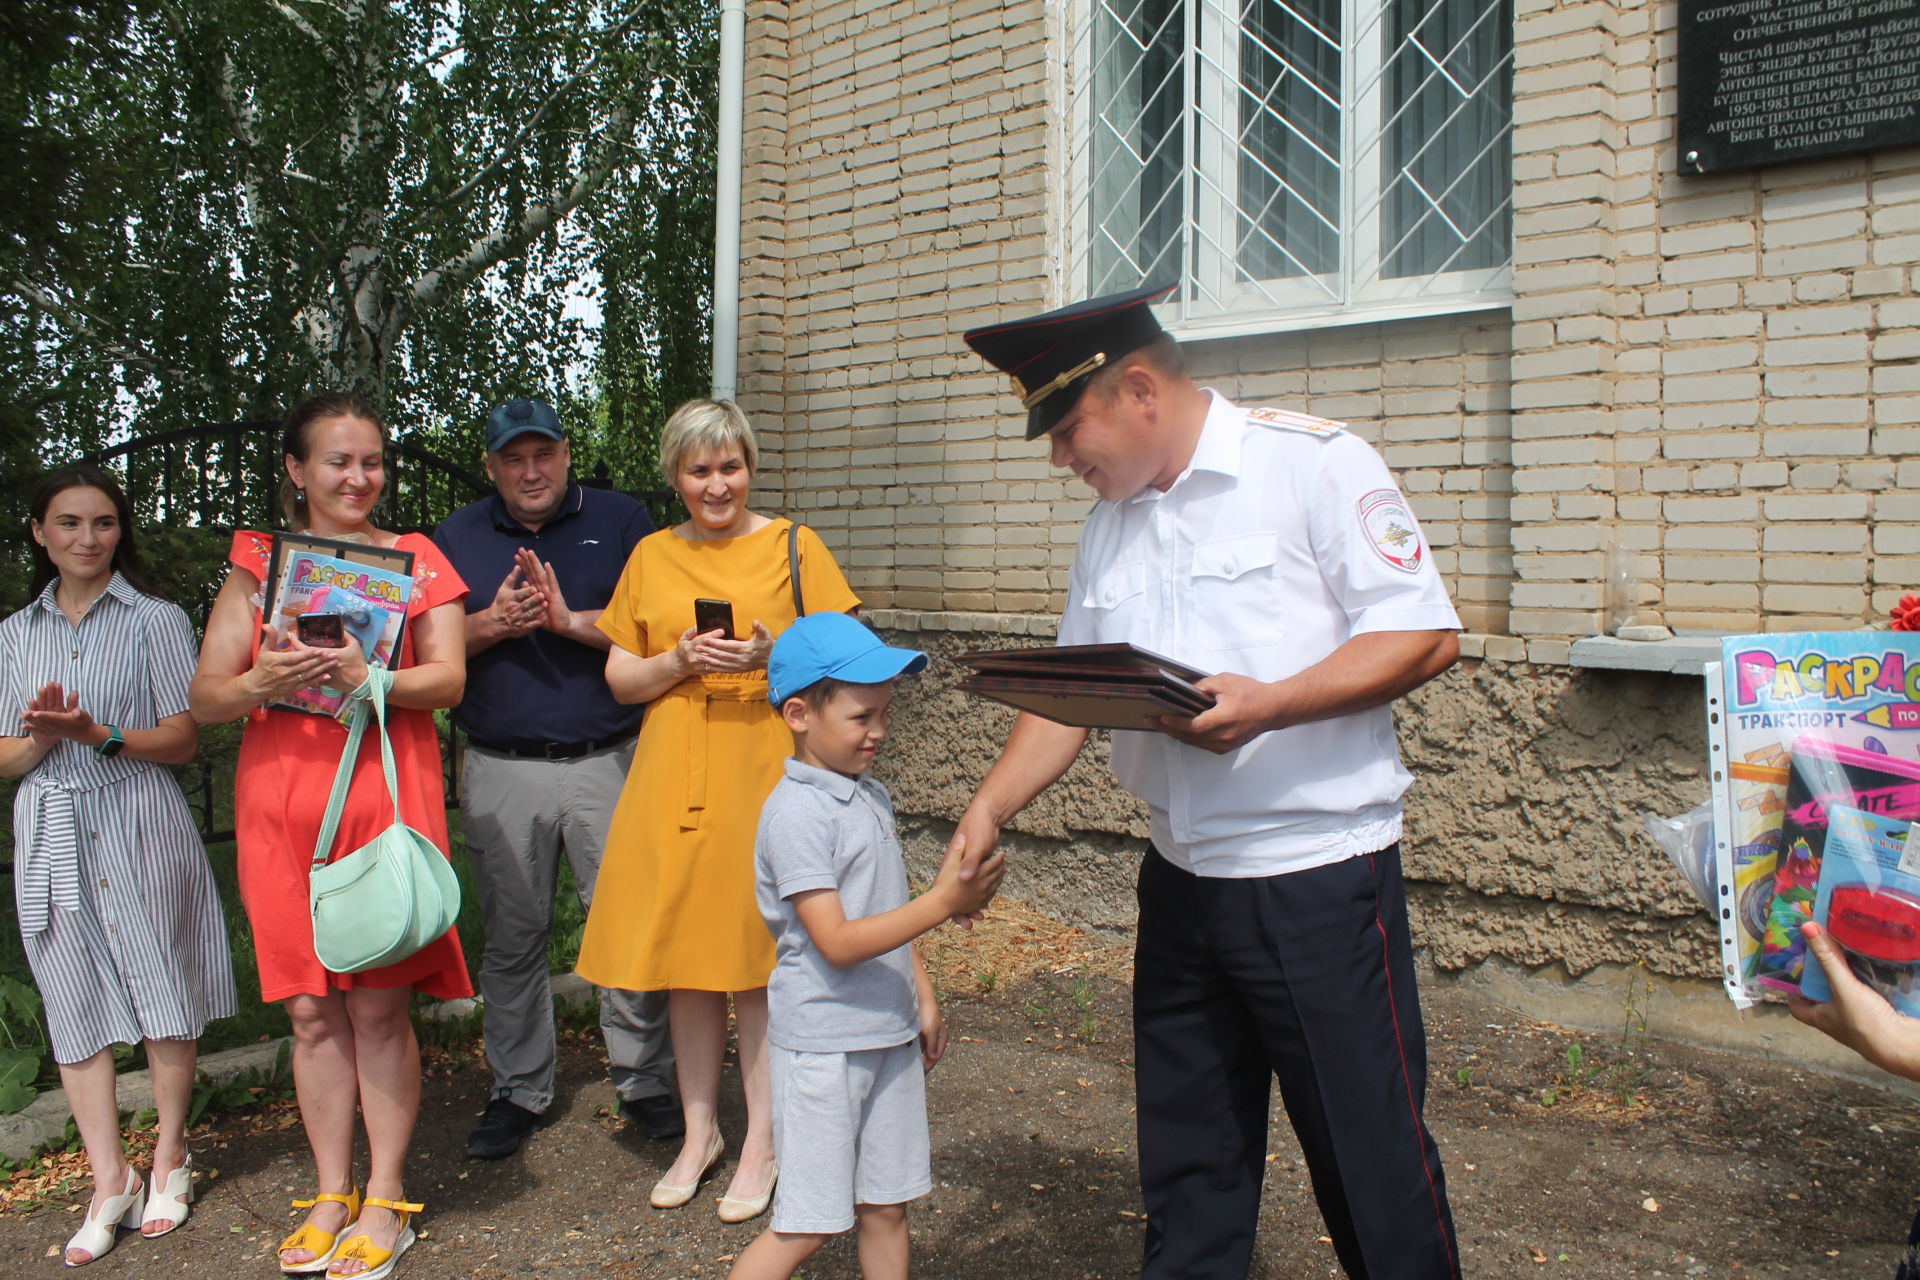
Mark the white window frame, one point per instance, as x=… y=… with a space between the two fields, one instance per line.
x=1215 y=299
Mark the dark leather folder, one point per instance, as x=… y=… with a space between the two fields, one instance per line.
x=1090 y=686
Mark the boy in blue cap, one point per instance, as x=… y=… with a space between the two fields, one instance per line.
x=852 y=1024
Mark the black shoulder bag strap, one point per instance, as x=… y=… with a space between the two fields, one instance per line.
x=793 y=575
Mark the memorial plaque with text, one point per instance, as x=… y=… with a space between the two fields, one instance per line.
x=1763 y=81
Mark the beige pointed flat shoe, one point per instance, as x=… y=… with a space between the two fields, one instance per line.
x=734 y=1209
x=671 y=1195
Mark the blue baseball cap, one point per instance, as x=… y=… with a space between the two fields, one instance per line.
x=517 y=418
x=832 y=644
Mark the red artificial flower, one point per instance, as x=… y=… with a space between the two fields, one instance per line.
x=1906 y=614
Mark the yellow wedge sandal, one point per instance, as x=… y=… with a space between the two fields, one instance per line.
x=321 y=1244
x=361 y=1248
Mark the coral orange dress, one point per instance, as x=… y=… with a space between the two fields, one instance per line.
x=673 y=906
x=287 y=763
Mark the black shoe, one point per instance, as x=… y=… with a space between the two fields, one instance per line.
x=502 y=1128
x=657 y=1117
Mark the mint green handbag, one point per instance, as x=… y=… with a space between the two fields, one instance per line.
x=385 y=900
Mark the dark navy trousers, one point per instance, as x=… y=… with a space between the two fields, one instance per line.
x=1307 y=977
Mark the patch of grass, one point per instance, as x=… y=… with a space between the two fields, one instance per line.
x=1087 y=1029
x=1611 y=1078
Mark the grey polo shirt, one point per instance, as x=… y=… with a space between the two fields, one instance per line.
x=823 y=830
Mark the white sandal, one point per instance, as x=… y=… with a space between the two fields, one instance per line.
x=96 y=1235
x=168 y=1202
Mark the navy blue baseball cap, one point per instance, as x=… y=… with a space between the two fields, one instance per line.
x=517 y=418
x=1051 y=357
x=832 y=644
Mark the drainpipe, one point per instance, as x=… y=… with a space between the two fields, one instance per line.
x=726 y=202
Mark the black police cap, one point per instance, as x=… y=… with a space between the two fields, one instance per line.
x=1050 y=357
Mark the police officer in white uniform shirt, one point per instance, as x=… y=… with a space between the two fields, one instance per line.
x=1274 y=549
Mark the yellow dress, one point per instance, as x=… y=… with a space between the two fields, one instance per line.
x=673 y=904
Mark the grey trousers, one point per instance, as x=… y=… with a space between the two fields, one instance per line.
x=518 y=815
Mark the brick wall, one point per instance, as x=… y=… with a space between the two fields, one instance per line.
x=1710 y=372
x=1707 y=388
x=917 y=142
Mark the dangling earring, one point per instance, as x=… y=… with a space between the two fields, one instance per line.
x=299 y=496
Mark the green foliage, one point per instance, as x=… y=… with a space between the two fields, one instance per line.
x=569 y=924
x=426 y=200
x=1087 y=1029
x=251 y=1088
x=18 y=1070
x=25 y=1044
x=19 y=1013
x=1610 y=1077
x=1042 y=1006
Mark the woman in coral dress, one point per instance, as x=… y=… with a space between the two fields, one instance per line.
x=673 y=908
x=353 y=1041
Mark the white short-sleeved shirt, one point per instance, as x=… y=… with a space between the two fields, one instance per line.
x=1283 y=538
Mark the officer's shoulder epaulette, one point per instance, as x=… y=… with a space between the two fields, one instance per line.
x=1304 y=423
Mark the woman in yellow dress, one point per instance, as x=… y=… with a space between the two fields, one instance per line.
x=673 y=908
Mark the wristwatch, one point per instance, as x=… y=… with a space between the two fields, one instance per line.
x=115 y=742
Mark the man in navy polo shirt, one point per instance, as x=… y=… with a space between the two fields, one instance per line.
x=547 y=753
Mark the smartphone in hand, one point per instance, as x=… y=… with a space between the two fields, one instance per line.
x=321 y=630
x=713 y=615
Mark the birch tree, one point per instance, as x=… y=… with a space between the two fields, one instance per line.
x=394 y=196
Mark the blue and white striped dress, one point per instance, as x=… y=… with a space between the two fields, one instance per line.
x=118 y=911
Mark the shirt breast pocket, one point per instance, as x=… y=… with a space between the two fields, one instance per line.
x=1114 y=601
x=1236 y=595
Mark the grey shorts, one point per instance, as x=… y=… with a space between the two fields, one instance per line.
x=848 y=1128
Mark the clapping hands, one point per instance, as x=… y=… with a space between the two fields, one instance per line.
x=53 y=714
x=518 y=606
x=529 y=599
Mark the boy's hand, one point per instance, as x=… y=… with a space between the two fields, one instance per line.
x=966 y=899
x=933 y=1030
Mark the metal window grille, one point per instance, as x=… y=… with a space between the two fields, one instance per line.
x=1288 y=160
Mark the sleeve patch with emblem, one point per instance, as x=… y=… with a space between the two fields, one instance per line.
x=1391 y=529
x=1287 y=420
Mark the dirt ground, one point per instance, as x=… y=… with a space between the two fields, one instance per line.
x=1621 y=1158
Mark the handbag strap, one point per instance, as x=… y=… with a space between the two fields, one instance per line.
x=793 y=567
x=374 y=690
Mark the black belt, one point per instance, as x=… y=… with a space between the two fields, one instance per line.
x=524 y=750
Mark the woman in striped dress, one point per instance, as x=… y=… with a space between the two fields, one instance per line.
x=118 y=911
